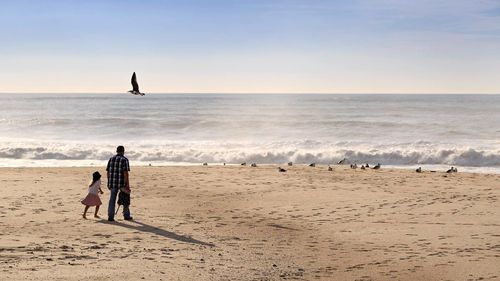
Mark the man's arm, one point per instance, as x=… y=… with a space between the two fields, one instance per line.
x=125 y=177
x=126 y=169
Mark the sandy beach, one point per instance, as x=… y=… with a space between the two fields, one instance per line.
x=244 y=223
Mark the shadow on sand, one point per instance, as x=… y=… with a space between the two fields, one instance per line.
x=136 y=225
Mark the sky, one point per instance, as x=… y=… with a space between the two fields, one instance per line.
x=250 y=46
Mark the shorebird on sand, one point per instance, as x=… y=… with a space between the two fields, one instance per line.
x=135 y=87
x=290 y=164
x=330 y=168
x=376 y=167
x=254 y=165
x=244 y=164
x=312 y=165
x=341 y=162
x=419 y=170
x=281 y=170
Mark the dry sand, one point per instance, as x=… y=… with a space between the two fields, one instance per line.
x=244 y=223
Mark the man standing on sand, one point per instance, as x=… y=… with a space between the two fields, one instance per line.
x=117 y=169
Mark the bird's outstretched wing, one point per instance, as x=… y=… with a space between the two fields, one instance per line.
x=135 y=86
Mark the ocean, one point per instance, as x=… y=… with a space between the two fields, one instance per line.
x=432 y=131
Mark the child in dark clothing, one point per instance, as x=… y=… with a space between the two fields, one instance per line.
x=124 y=199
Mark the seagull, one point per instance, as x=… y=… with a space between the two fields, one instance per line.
x=205 y=164
x=244 y=164
x=451 y=170
x=455 y=170
x=354 y=166
x=363 y=167
x=367 y=166
x=312 y=165
x=376 y=167
x=419 y=170
x=135 y=87
x=254 y=165
x=330 y=168
x=290 y=163
x=341 y=161
x=281 y=170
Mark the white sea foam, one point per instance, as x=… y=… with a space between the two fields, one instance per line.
x=265 y=153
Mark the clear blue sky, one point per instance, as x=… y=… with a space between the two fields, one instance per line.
x=317 y=46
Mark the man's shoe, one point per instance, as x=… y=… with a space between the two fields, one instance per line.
x=110 y=219
x=129 y=218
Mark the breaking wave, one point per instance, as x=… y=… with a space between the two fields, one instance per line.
x=267 y=153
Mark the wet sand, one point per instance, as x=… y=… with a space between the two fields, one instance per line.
x=245 y=223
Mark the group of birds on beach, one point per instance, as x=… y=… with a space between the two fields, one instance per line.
x=342 y=162
x=330 y=168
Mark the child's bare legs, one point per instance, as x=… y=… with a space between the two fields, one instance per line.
x=96 y=211
x=85 y=212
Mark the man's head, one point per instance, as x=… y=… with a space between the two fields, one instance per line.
x=120 y=149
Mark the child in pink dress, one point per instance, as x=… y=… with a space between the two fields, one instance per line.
x=92 y=198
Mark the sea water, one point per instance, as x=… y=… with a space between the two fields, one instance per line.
x=395 y=130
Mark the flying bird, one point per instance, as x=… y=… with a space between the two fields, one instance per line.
x=135 y=87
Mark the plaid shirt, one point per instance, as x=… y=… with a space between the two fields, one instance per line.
x=117 y=165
